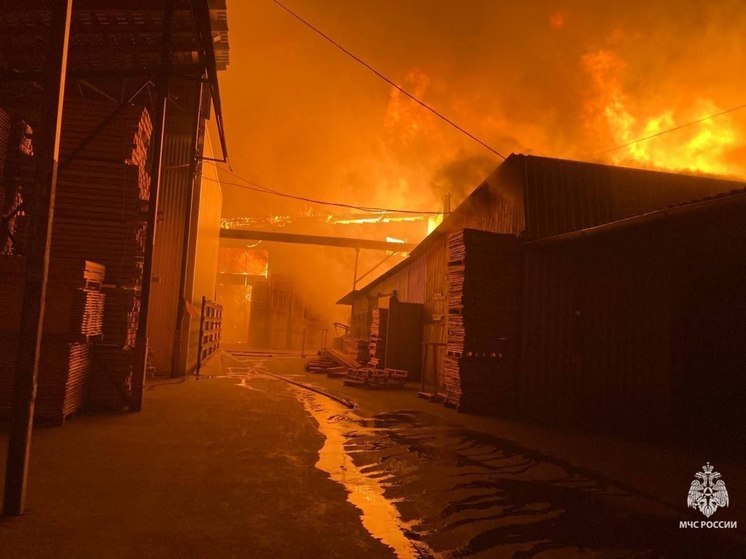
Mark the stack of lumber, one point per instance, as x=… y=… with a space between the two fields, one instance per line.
x=16 y=179
x=324 y=365
x=357 y=348
x=63 y=370
x=75 y=303
x=101 y=214
x=483 y=288
x=110 y=381
x=376 y=378
x=103 y=189
x=4 y=143
x=338 y=357
x=377 y=345
x=123 y=138
x=120 y=319
x=73 y=318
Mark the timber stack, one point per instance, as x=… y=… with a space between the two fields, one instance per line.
x=73 y=321
x=101 y=211
x=482 y=313
x=376 y=378
x=377 y=344
x=357 y=348
x=17 y=176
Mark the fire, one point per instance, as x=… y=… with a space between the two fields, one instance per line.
x=433 y=222
x=703 y=147
x=378 y=218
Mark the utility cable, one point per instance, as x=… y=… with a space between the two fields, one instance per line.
x=390 y=82
x=674 y=129
x=264 y=190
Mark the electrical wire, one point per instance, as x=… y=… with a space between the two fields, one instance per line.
x=390 y=82
x=249 y=185
x=674 y=129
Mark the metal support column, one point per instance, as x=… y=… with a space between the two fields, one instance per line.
x=46 y=148
x=178 y=369
x=357 y=260
x=159 y=129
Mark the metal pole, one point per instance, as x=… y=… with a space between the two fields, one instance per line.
x=354 y=277
x=159 y=129
x=176 y=370
x=47 y=149
x=201 y=335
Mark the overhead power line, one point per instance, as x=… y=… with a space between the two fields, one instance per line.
x=674 y=129
x=250 y=185
x=390 y=82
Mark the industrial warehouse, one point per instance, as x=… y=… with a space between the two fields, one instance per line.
x=272 y=287
x=566 y=289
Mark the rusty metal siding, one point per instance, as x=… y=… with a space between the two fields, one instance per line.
x=173 y=202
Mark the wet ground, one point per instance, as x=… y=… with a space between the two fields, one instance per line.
x=428 y=487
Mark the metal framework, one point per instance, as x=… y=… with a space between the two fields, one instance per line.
x=342 y=242
x=112 y=49
x=47 y=146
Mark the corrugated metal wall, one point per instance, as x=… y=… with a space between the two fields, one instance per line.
x=639 y=329
x=596 y=333
x=562 y=196
x=595 y=320
x=171 y=227
x=202 y=266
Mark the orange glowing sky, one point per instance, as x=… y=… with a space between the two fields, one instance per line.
x=557 y=78
x=566 y=79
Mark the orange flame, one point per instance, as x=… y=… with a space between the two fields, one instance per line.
x=703 y=147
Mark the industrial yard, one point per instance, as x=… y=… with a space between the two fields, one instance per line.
x=353 y=280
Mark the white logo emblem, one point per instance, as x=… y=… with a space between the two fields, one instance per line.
x=707 y=492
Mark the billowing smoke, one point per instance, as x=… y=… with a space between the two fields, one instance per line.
x=558 y=78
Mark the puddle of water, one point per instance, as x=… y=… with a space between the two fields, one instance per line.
x=379 y=515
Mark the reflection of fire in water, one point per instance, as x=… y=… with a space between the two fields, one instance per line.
x=379 y=516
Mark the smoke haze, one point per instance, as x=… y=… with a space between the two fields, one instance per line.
x=564 y=79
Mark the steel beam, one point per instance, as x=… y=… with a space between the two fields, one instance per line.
x=46 y=148
x=159 y=129
x=342 y=242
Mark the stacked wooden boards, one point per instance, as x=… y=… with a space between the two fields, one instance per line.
x=73 y=320
x=103 y=188
x=483 y=319
x=17 y=175
x=377 y=344
x=357 y=348
x=376 y=378
x=101 y=211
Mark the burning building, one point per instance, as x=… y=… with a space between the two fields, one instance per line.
x=579 y=292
